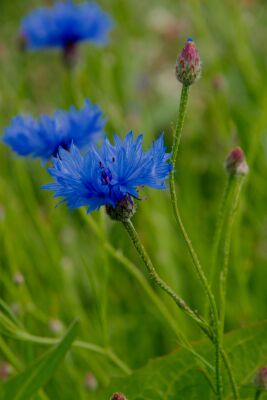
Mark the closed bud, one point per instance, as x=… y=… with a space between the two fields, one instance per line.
x=188 y=64
x=90 y=381
x=123 y=211
x=235 y=163
x=260 y=379
x=118 y=396
x=18 y=278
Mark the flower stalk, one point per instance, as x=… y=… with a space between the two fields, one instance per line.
x=238 y=183
x=160 y=282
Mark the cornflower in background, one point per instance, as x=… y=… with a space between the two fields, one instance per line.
x=109 y=176
x=63 y=26
x=41 y=138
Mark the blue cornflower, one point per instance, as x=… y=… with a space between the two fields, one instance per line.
x=43 y=137
x=65 y=24
x=109 y=175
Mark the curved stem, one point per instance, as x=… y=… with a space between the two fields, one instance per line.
x=108 y=352
x=238 y=180
x=219 y=228
x=137 y=274
x=230 y=374
x=200 y=272
x=160 y=282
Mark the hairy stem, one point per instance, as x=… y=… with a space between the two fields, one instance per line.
x=200 y=272
x=137 y=274
x=160 y=282
x=230 y=373
x=217 y=237
x=238 y=181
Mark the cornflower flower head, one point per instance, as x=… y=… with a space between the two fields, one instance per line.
x=235 y=163
x=188 y=64
x=64 y=25
x=109 y=176
x=41 y=138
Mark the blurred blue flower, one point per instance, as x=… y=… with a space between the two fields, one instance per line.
x=43 y=137
x=108 y=175
x=65 y=24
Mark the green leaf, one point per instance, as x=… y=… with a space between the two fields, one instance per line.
x=179 y=376
x=27 y=383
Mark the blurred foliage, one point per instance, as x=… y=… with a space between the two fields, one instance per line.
x=66 y=271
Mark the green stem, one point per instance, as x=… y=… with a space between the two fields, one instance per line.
x=134 y=271
x=160 y=282
x=230 y=374
x=238 y=180
x=108 y=352
x=200 y=272
x=179 y=123
x=219 y=228
x=218 y=235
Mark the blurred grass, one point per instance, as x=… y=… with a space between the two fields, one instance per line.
x=66 y=272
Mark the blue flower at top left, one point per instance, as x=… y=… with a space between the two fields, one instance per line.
x=42 y=137
x=65 y=24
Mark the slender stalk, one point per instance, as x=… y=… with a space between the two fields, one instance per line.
x=105 y=281
x=230 y=374
x=160 y=282
x=108 y=352
x=238 y=180
x=217 y=236
x=179 y=124
x=136 y=273
x=219 y=228
x=200 y=272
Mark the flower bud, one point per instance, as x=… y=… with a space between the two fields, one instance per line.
x=123 y=211
x=90 y=381
x=5 y=371
x=118 y=396
x=188 y=65
x=260 y=379
x=18 y=278
x=235 y=163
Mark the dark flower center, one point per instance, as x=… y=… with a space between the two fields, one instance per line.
x=106 y=175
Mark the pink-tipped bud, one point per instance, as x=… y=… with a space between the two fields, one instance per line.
x=118 y=396
x=5 y=371
x=188 y=64
x=235 y=163
x=260 y=379
x=90 y=381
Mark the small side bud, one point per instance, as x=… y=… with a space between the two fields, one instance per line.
x=5 y=371
x=18 y=279
x=123 y=211
x=188 y=64
x=235 y=163
x=260 y=379
x=90 y=382
x=118 y=396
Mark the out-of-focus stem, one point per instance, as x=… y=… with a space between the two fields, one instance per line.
x=238 y=182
